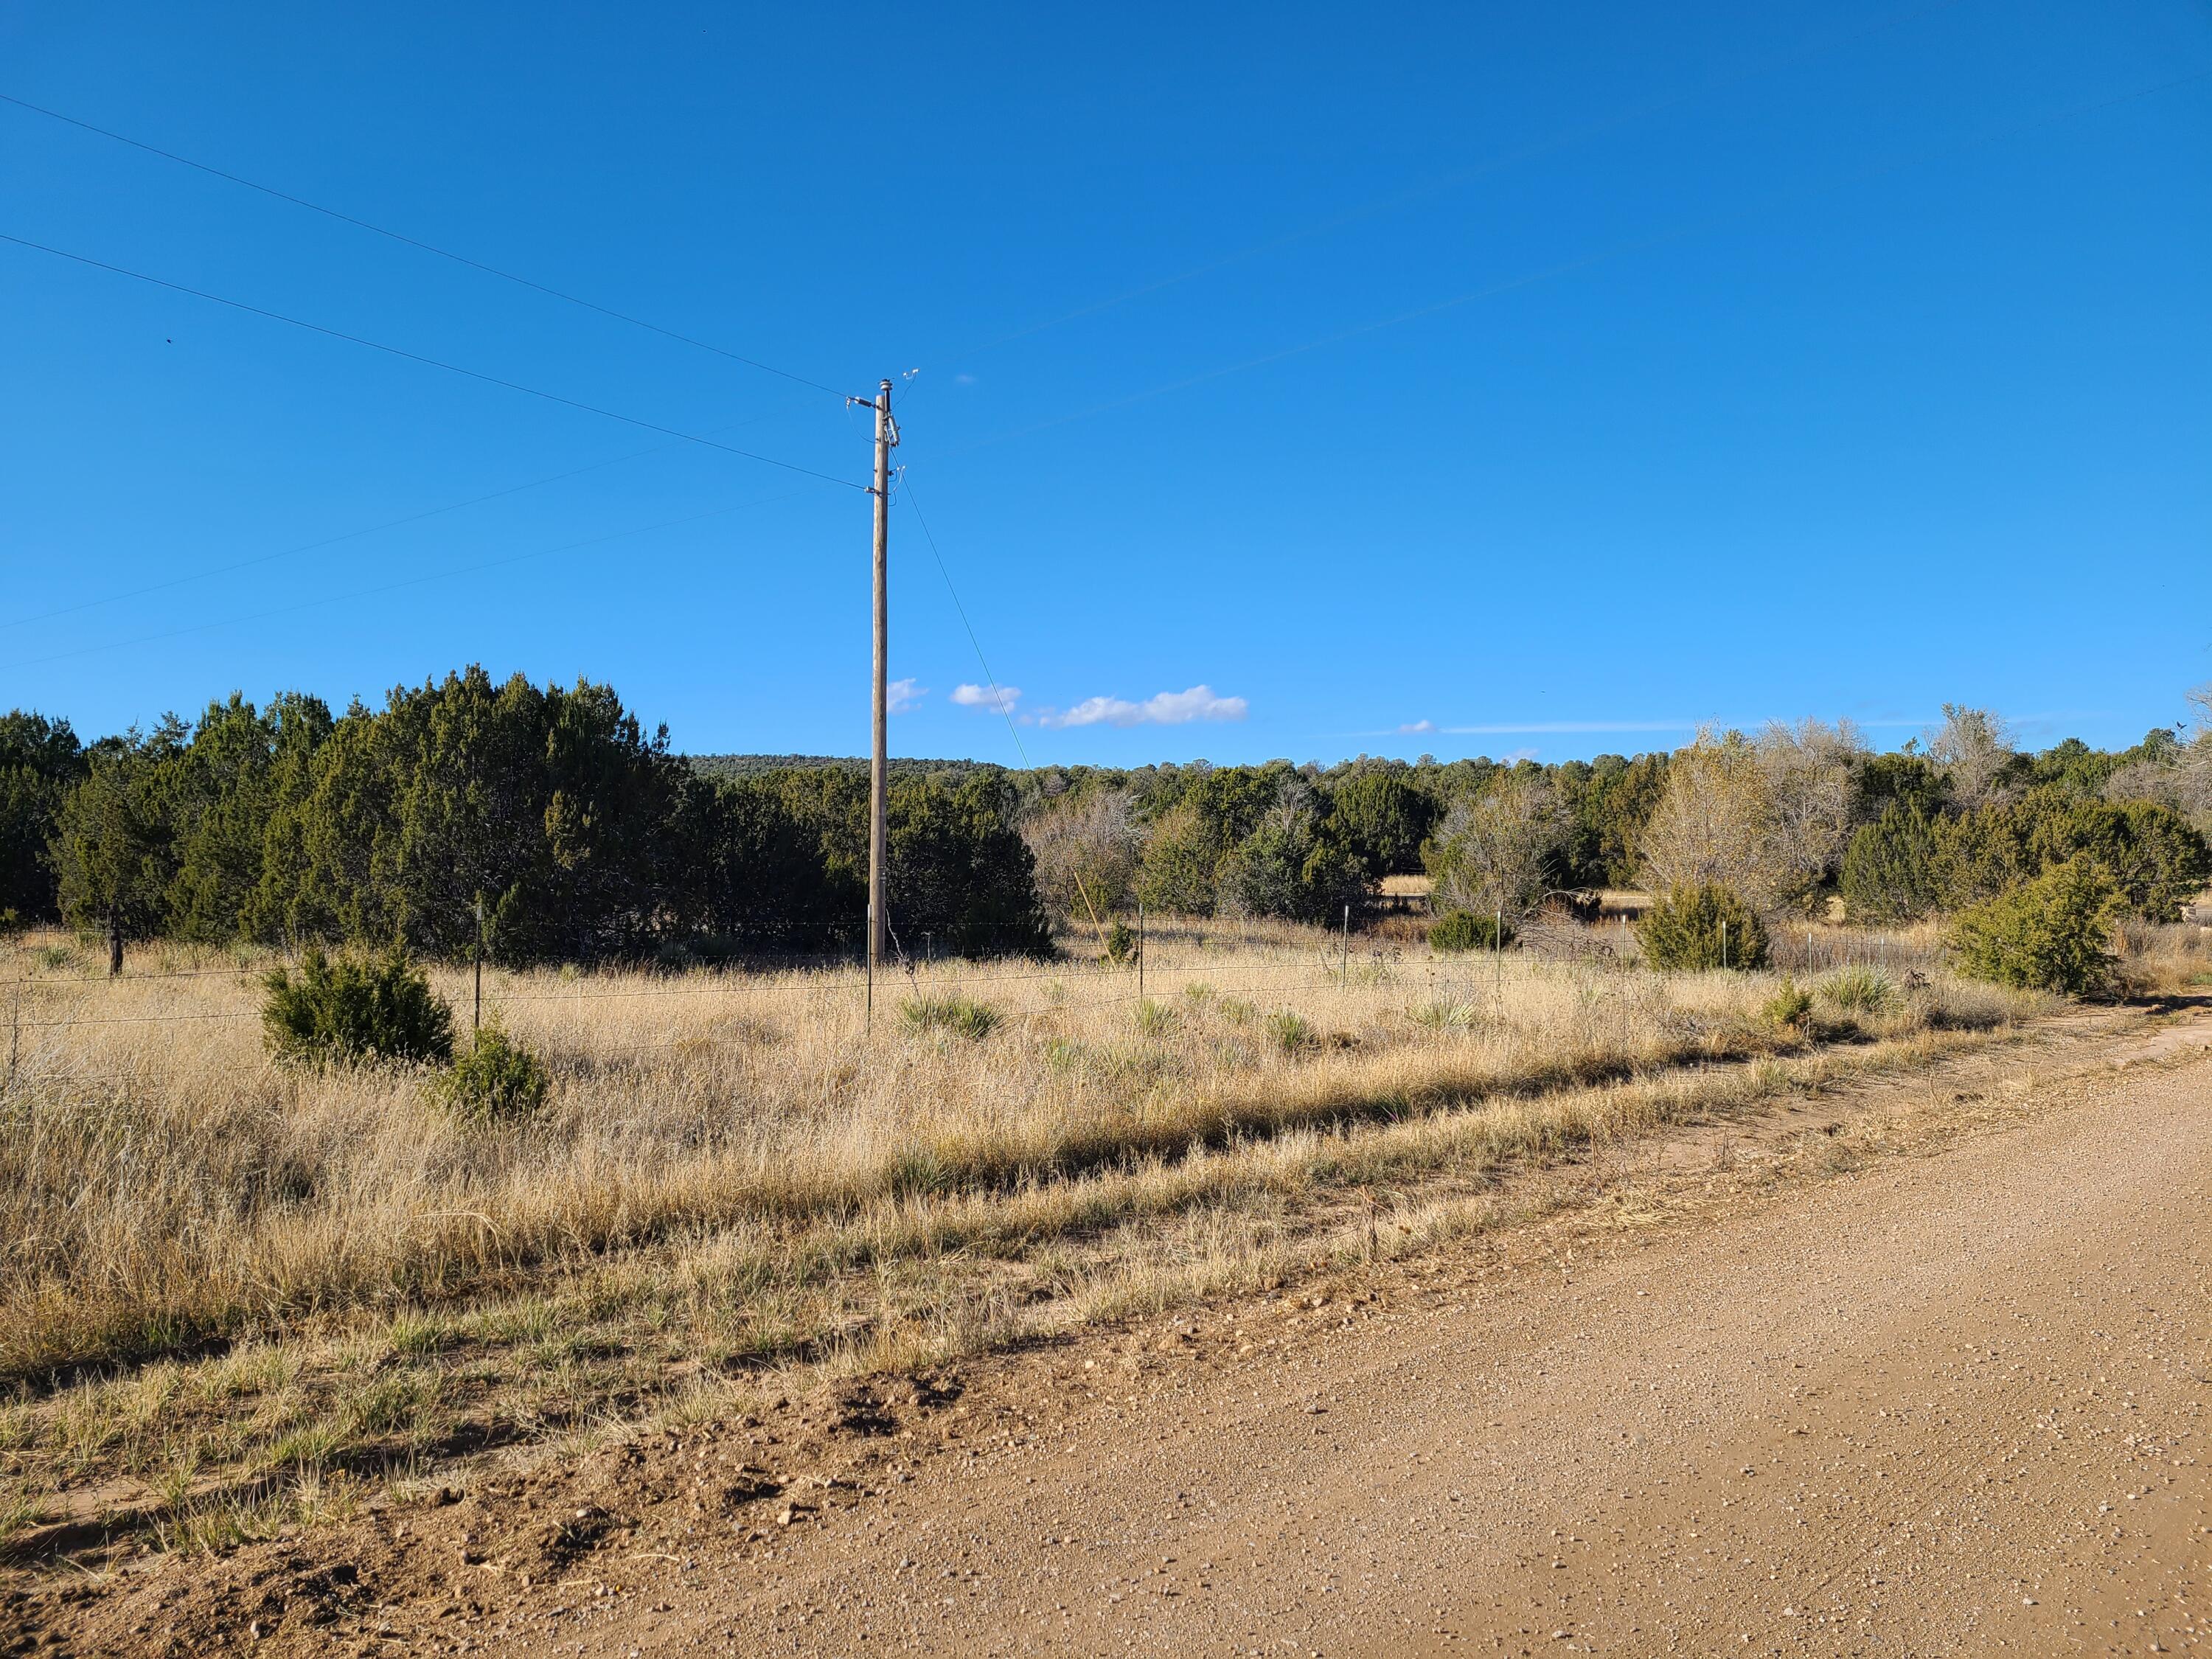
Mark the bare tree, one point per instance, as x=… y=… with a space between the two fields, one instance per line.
x=2195 y=763
x=2184 y=781
x=1715 y=822
x=1810 y=770
x=1494 y=848
x=1086 y=849
x=1973 y=747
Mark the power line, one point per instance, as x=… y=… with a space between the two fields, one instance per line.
x=417 y=357
x=1452 y=181
x=409 y=582
x=416 y=242
x=348 y=536
x=1659 y=237
x=998 y=697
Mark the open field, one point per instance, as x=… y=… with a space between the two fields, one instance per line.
x=238 y=1293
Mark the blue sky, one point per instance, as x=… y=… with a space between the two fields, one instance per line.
x=1289 y=377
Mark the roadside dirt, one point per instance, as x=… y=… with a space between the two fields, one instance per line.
x=1919 y=1367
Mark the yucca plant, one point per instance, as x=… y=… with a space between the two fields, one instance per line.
x=962 y=1017
x=1857 y=989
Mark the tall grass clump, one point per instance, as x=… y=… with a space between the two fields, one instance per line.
x=1857 y=989
x=960 y=1015
x=1291 y=1031
x=1157 y=1018
x=1444 y=1014
x=356 y=1009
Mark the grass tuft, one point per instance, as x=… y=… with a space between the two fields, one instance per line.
x=963 y=1017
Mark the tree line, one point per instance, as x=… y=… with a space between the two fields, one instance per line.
x=583 y=836
x=1792 y=819
x=546 y=817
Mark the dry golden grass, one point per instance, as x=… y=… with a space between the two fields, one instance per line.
x=2172 y=959
x=224 y=1274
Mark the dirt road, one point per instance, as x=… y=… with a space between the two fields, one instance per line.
x=1921 y=1369
x=1955 y=1404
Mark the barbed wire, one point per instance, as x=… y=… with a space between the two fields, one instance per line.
x=1323 y=977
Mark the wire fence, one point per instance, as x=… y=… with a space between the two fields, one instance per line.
x=899 y=984
x=1218 y=988
x=836 y=979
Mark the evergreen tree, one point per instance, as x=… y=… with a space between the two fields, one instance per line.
x=40 y=761
x=1380 y=819
x=1890 y=870
x=112 y=849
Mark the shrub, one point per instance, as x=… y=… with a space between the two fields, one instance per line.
x=1787 y=1007
x=368 y=1008
x=1182 y=857
x=496 y=1081
x=1463 y=930
x=1289 y=1032
x=1503 y=844
x=961 y=1015
x=2053 y=934
x=1120 y=943
x=1702 y=927
x=1287 y=868
x=1857 y=990
x=2155 y=857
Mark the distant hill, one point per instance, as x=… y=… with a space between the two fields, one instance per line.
x=749 y=766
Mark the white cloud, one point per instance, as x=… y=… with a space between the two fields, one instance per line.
x=983 y=696
x=1417 y=727
x=903 y=694
x=1165 y=708
x=963 y=380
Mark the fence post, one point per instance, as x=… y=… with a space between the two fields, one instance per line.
x=1140 y=950
x=1724 y=945
x=1347 y=947
x=476 y=1018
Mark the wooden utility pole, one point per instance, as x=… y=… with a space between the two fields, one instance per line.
x=878 y=759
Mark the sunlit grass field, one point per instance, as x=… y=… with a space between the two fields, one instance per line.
x=228 y=1284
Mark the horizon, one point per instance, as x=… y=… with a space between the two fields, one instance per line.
x=2022 y=732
